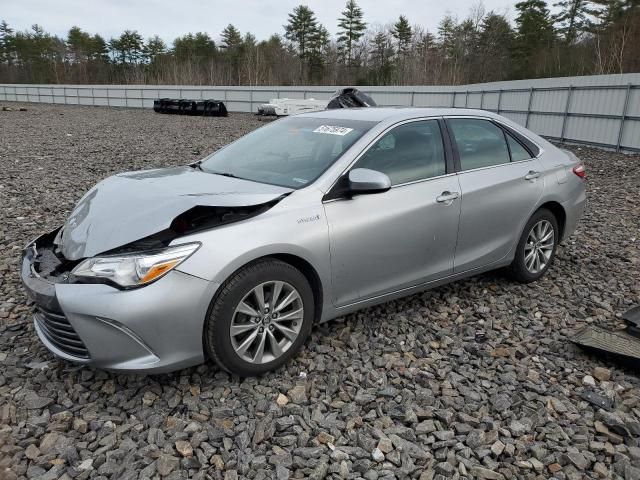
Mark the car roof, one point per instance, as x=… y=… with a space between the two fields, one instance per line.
x=380 y=114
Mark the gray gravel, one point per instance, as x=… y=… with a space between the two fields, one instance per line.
x=401 y=390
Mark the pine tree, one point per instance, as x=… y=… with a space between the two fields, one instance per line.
x=128 y=47
x=609 y=12
x=381 y=58
x=495 y=42
x=535 y=34
x=352 y=28
x=233 y=47
x=6 y=43
x=301 y=28
x=573 y=18
x=78 y=44
x=199 y=47
x=617 y=28
x=446 y=34
x=459 y=44
x=231 y=37
x=402 y=33
x=318 y=43
x=155 y=46
x=98 y=49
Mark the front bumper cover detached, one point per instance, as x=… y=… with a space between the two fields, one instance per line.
x=153 y=329
x=622 y=344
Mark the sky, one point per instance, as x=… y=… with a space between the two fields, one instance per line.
x=172 y=18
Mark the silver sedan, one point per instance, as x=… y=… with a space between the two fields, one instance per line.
x=311 y=217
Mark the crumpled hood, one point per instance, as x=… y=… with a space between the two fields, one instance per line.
x=131 y=206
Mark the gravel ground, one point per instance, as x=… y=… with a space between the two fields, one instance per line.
x=401 y=390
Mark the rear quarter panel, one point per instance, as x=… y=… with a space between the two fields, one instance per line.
x=562 y=186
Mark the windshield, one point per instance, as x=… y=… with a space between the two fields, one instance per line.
x=290 y=152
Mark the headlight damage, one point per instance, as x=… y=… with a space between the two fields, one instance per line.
x=137 y=263
x=135 y=269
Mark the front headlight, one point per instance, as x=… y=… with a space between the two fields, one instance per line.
x=135 y=269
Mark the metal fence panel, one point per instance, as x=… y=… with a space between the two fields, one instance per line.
x=606 y=102
x=602 y=110
x=593 y=130
x=631 y=133
x=516 y=117
x=514 y=100
x=236 y=106
x=490 y=101
x=431 y=99
x=263 y=96
x=291 y=94
x=633 y=107
x=317 y=95
x=545 y=125
x=101 y=101
x=164 y=93
x=549 y=100
x=459 y=100
x=239 y=96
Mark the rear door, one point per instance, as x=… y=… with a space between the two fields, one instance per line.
x=384 y=242
x=501 y=183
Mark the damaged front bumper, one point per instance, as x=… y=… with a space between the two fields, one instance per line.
x=152 y=329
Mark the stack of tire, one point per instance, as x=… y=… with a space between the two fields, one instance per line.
x=207 y=108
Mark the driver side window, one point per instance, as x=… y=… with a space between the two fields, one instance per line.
x=413 y=151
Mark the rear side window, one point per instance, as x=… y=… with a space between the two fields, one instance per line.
x=480 y=143
x=413 y=151
x=518 y=152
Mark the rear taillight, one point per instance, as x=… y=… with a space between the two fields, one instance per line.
x=580 y=171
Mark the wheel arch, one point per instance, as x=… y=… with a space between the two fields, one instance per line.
x=296 y=261
x=558 y=211
x=310 y=274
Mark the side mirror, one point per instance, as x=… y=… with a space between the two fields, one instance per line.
x=364 y=180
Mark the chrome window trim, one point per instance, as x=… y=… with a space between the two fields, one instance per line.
x=462 y=172
x=422 y=180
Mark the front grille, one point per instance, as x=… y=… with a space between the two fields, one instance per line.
x=57 y=329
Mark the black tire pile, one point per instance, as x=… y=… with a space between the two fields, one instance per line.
x=206 y=108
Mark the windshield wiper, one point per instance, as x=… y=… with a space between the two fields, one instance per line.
x=224 y=174
x=198 y=165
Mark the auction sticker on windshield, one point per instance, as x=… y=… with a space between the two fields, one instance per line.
x=332 y=130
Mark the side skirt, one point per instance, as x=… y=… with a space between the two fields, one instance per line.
x=335 y=312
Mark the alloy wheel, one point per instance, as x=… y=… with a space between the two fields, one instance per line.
x=539 y=246
x=266 y=322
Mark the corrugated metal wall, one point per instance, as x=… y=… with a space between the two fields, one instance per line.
x=600 y=110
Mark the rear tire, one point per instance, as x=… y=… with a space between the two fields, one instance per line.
x=536 y=249
x=247 y=333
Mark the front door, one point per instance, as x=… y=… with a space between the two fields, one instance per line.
x=385 y=242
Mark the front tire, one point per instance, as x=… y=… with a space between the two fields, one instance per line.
x=260 y=319
x=536 y=249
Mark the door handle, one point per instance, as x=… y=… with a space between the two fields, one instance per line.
x=532 y=175
x=447 y=197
